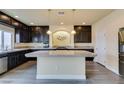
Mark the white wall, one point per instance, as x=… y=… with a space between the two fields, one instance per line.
x=106 y=39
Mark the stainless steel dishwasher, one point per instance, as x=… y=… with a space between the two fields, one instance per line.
x=3 y=64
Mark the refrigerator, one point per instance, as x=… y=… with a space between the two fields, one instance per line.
x=121 y=51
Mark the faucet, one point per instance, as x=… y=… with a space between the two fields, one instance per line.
x=6 y=48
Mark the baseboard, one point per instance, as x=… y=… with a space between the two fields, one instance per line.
x=61 y=77
x=100 y=64
x=111 y=69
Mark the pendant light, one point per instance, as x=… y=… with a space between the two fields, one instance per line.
x=73 y=31
x=49 y=32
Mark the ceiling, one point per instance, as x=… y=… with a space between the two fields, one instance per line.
x=57 y=16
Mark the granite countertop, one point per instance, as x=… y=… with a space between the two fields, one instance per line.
x=42 y=48
x=63 y=53
x=12 y=50
x=76 y=47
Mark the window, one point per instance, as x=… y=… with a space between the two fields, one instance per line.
x=5 y=40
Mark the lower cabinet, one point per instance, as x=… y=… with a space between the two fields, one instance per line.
x=11 y=62
x=17 y=58
x=89 y=58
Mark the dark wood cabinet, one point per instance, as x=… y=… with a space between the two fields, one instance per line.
x=22 y=31
x=83 y=34
x=12 y=61
x=15 y=23
x=5 y=19
x=17 y=58
x=39 y=33
x=22 y=35
x=45 y=35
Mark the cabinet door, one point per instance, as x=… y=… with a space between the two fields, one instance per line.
x=25 y=35
x=45 y=35
x=17 y=35
x=4 y=18
x=85 y=37
x=11 y=62
x=83 y=34
x=15 y=59
x=22 y=35
x=15 y=23
x=39 y=34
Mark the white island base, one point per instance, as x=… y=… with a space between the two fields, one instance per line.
x=61 y=64
x=61 y=68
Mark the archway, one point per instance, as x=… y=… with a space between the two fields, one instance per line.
x=61 y=38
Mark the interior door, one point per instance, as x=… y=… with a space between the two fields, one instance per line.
x=100 y=47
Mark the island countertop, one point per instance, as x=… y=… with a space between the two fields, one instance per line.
x=63 y=53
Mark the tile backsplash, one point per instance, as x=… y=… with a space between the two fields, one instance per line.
x=28 y=45
x=40 y=45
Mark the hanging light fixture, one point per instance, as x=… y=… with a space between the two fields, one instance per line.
x=73 y=31
x=49 y=32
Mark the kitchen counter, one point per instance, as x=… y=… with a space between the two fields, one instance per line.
x=56 y=53
x=12 y=50
x=76 y=47
x=42 y=48
x=61 y=64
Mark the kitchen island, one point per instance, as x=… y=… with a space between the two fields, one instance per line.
x=61 y=64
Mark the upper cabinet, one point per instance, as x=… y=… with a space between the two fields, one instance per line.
x=39 y=34
x=4 y=18
x=22 y=31
x=15 y=23
x=22 y=35
x=83 y=34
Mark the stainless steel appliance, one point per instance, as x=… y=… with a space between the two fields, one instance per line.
x=121 y=51
x=3 y=64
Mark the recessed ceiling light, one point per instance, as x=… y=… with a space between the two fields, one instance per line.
x=83 y=23
x=61 y=23
x=17 y=16
x=31 y=23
